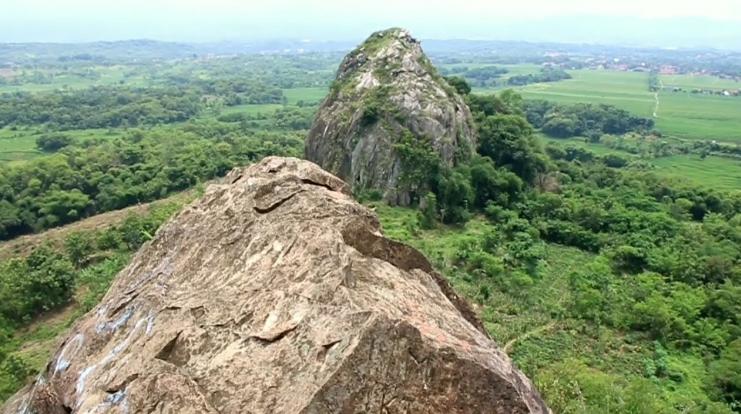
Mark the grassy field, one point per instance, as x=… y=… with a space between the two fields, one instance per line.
x=252 y=109
x=680 y=114
x=627 y=90
x=700 y=117
x=308 y=95
x=19 y=146
x=691 y=81
x=581 y=142
x=716 y=172
x=99 y=76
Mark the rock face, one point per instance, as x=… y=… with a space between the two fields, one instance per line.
x=385 y=88
x=277 y=293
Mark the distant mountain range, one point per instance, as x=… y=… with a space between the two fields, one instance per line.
x=144 y=49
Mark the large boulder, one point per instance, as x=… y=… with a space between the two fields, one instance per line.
x=277 y=293
x=387 y=92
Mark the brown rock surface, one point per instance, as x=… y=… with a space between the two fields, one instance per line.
x=277 y=293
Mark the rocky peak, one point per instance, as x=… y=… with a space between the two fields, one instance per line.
x=277 y=293
x=387 y=91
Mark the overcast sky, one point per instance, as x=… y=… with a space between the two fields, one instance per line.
x=214 y=20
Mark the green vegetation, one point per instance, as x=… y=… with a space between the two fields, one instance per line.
x=699 y=117
x=82 y=180
x=70 y=280
x=625 y=90
x=587 y=120
x=304 y=96
x=615 y=289
x=682 y=114
x=695 y=81
x=711 y=171
x=479 y=76
x=546 y=74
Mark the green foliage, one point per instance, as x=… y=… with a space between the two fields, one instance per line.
x=455 y=195
x=428 y=214
x=97 y=278
x=491 y=184
x=53 y=142
x=78 y=248
x=573 y=387
x=559 y=120
x=47 y=279
x=420 y=162
x=508 y=140
x=644 y=308
x=726 y=374
x=13 y=371
x=547 y=74
x=459 y=84
x=488 y=105
x=40 y=282
x=482 y=76
x=139 y=167
x=99 y=107
x=376 y=106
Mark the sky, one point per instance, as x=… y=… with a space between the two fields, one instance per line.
x=590 y=21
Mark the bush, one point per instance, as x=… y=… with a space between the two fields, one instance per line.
x=428 y=211
x=459 y=84
x=78 y=247
x=726 y=374
x=54 y=142
x=42 y=281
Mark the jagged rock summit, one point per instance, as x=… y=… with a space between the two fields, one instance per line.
x=277 y=293
x=387 y=91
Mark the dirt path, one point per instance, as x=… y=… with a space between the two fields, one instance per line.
x=21 y=246
x=508 y=346
x=656 y=98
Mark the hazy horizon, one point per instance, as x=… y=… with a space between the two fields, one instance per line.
x=668 y=24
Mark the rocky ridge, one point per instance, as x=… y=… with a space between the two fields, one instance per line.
x=278 y=293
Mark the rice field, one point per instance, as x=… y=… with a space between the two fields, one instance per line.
x=307 y=95
x=679 y=114
x=715 y=172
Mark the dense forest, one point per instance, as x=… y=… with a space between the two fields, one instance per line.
x=92 y=177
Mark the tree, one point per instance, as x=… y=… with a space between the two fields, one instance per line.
x=78 y=247
x=420 y=163
x=455 y=195
x=493 y=184
x=10 y=220
x=459 y=84
x=508 y=140
x=428 y=211
x=53 y=142
x=726 y=373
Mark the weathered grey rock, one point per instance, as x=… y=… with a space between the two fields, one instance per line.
x=383 y=88
x=277 y=293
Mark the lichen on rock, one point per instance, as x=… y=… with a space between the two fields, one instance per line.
x=385 y=88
